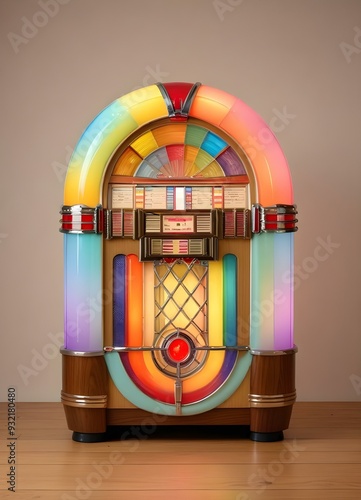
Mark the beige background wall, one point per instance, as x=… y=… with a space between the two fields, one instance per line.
x=63 y=61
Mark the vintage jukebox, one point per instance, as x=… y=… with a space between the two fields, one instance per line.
x=178 y=224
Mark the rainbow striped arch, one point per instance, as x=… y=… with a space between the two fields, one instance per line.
x=152 y=152
x=180 y=131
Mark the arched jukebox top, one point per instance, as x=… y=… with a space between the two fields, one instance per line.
x=186 y=166
x=178 y=130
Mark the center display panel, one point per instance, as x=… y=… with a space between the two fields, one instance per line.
x=178 y=249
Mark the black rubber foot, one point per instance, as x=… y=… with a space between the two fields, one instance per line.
x=89 y=437
x=266 y=437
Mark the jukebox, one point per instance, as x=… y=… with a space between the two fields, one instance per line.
x=178 y=224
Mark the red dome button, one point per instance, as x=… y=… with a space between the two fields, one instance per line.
x=178 y=350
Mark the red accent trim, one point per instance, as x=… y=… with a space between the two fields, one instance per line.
x=86 y=222
x=178 y=92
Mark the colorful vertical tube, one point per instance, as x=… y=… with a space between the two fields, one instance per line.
x=215 y=303
x=262 y=292
x=119 y=300
x=148 y=301
x=230 y=300
x=283 y=290
x=134 y=301
x=83 y=325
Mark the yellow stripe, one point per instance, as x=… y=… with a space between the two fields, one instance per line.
x=145 y=144
x=215 y=321
x=145 y=105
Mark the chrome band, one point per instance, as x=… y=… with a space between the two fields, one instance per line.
x=85 y=354
x=84 y=401
x=189 y=99
x=282 y=352
x=274 y=219
x=200 y=348
x=167 y=99
x=108 y=222
x=178 y=389
x=81 y=219
x=271 y=401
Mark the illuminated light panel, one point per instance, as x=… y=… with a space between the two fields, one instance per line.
x=148 y=300
x=262 y=292
x=91 y=155
x=203 y=159
x=190 y=154
x=156 y=161
x=283 y=290
x=195 y=135
x=119 y=290
x=145 y=144
x=83 y=326
x=141 y=369
x=175 y=154
x=170 y=134
x=230 y=299
x=268 y=161
x=211 y=105
x=134 y=306
x=154 y=382
x=231 y=163
x=129 y=389
x=102 y=137
x=213 y=144
x=214 y=384
x=147 y=169
x=215 y=337
x=144 y=372
x=211 y=170
x=165 y=155
x=127 y=163
x=145 y=105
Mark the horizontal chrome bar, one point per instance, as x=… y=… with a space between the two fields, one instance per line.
x=69 y=352
x=278 y=352
x=150 y=348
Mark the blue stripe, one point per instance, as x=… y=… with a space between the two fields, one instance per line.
x=119 y=300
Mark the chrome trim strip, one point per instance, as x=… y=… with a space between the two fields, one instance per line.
x=81 y=401
x=189 y=99
x=108 y=222
x=167 y=99
x=259 y=352
x=261 y=218
x=95 y=226
x=200 y=348
x=271 y=400
x=69 y=352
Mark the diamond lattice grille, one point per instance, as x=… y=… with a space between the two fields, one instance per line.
x=180 y=292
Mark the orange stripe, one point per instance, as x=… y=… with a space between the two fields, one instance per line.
x=154 y=379
x=134 y=302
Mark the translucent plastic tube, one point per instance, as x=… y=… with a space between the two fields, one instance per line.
x=83 y=292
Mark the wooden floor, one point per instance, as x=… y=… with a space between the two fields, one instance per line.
x=320 y=458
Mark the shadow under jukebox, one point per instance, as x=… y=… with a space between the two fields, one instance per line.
x=178 y=224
